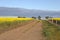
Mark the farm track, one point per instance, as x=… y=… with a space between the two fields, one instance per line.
x=30 y=31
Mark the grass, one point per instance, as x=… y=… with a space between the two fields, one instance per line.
x=50 y=31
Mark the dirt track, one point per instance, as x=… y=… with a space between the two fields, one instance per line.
x=30 y=31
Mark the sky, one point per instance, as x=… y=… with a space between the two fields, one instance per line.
x=32 y=4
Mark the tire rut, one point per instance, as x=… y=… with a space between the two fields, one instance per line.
x=30 y=27
x=35 y=33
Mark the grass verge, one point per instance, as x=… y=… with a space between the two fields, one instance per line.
x=50 y=31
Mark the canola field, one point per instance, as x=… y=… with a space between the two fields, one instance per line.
x=10 y=23
x=55 y=20
x=14 y=19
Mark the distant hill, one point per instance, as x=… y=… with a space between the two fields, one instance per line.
x=5 y=11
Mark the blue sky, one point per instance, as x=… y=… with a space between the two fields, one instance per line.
x=32 y=4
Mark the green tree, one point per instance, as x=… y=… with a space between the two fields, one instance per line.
x=34 y=17
x=39 y=17
x=47 y=17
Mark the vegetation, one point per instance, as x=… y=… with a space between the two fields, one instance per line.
x=47 y=17
x=34 y=17
x=39 y=17
x=55 y=20
x=10 y=23
x=13 y=19
x=50 y=31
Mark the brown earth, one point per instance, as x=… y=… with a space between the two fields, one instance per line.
x=30 y=31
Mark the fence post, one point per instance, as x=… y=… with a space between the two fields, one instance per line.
x=56 y=22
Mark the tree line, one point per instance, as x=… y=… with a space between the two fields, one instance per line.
x=39 y=17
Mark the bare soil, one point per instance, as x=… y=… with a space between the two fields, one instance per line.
x=30 y=31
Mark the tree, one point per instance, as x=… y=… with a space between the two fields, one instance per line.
x=34 y=17
x=47 y=17
x=39 y=17
x=19 y=17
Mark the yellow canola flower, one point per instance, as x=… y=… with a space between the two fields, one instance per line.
x=13 y=19
x=55 y=18
x=24 y=18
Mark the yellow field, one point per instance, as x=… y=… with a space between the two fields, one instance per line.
x=55 y=18
x=10 y=23
x=14 y=19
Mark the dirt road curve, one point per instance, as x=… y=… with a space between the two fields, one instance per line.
x=30 y=31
